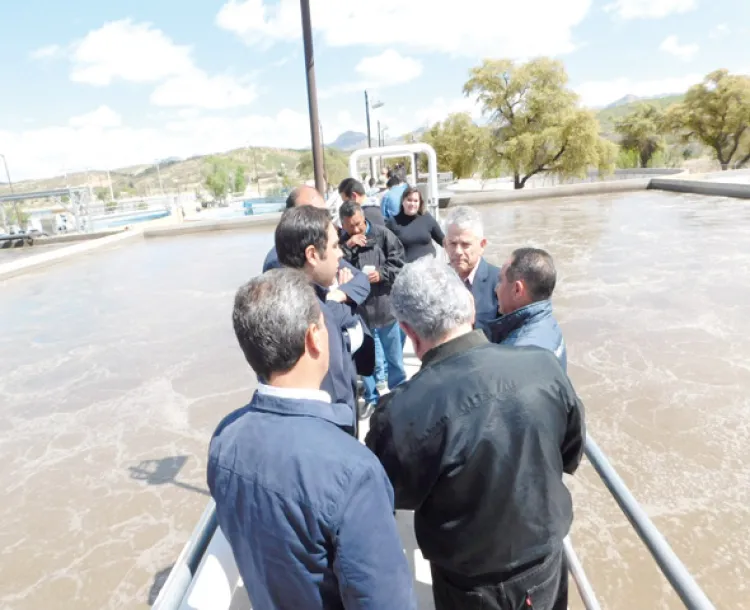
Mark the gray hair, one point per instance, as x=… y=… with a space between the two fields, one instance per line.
x=464 y=217
x=429 y=297
x=271 y=316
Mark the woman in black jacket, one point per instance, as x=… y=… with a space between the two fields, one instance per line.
x=415 y=226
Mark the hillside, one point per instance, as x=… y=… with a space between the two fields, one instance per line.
x=611 y=114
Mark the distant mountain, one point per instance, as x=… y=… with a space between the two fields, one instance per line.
x=350 y=140
x=627 y=99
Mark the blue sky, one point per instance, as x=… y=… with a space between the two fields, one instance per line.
x=96 y=85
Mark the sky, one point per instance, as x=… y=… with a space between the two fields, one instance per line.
x=87 y=84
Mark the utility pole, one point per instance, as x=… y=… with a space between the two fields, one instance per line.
x=369 y=136
x=10 y=185
x=255 y=166
x=111 y=191
x=312 y=97
x=158 y=173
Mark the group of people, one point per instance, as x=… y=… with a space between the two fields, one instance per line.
x=476 y=442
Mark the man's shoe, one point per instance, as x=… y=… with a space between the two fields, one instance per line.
x=382 y=388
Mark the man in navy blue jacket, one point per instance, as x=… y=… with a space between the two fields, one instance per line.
x=465 y=243
x=307 y=509
x=307 y=240
x=524 y=293
x=353 y=285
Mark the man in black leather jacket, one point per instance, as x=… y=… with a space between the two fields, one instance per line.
x=477 y=443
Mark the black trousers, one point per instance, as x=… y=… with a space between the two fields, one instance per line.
x=542 y=586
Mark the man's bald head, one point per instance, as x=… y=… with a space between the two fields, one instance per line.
x=305 y=195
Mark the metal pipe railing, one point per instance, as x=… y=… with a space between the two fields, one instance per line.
x=670 y=565
x=585 y=590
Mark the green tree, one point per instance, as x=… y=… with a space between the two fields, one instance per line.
x=716 y=112
x=240 y=179
x=335 y=168
x=641 y=130
x=535 y=122
x=456 y=141
x=217 y=178
x=101 y=193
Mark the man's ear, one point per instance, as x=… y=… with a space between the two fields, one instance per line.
x=311 y=254
x=314 y=338
x=409 y=331
x=483 y=243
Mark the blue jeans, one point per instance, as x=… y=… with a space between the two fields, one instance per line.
x=380 y=366
x=392 y=354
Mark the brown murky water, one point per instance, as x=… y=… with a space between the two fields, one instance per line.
x=115 y=367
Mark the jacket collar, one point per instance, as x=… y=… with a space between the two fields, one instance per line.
x=335 y=413
x=454 y=346
x=480 y=273
x=514 y=320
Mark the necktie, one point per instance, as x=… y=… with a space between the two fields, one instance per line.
x=467 y=283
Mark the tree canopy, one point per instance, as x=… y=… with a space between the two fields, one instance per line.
x=335 y=167
x=535 y=123
x=456 y=141
x=640 y=132
x=224 y=176
x=716 y=112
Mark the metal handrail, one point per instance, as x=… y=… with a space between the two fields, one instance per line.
x=670 y=565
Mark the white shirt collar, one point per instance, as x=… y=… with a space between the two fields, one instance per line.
x=473 y=272
x=294 y=393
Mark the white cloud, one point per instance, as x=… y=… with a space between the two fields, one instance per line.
x=47 y=52
x=720 y=31
x=199 y=90
x=134 y=52
x=440 y=108
x=672 y=45
x=595 y=94
x=650 y=9
x=100 y=118
x=471 y=31
x=378 y=72
x=388 y=68
x=101 y=139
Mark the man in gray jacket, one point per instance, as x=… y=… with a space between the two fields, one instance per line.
x=476 y=444
x=527 y=281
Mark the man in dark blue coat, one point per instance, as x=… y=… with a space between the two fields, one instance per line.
x=352 y=286
x=307 y=240
x=306 y=508
x=465 y=243
x=524 y=293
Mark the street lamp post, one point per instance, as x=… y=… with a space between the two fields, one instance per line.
x=374 y=106
x=312 y=97
x=10 y=185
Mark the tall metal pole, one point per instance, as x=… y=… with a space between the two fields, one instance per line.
x=10 y=185
x=369 y=133
x=312 y=97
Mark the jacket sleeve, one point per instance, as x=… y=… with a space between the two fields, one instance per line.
x=437 y=232
x=412 y=473
x=370 y=565
x=358 y=288
x=394 y=257
x=575 y=436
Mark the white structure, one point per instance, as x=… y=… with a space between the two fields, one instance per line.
x=406 y=150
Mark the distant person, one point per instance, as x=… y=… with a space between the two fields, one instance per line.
x=476 y=444
x=307 y=240
x=355 y=192
x=306 y=508
x=378 y=253
x=373 y=190
x=465 y=243
x=415 y=227
x=527 y=282
x=391 y=201
x=351 y=285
